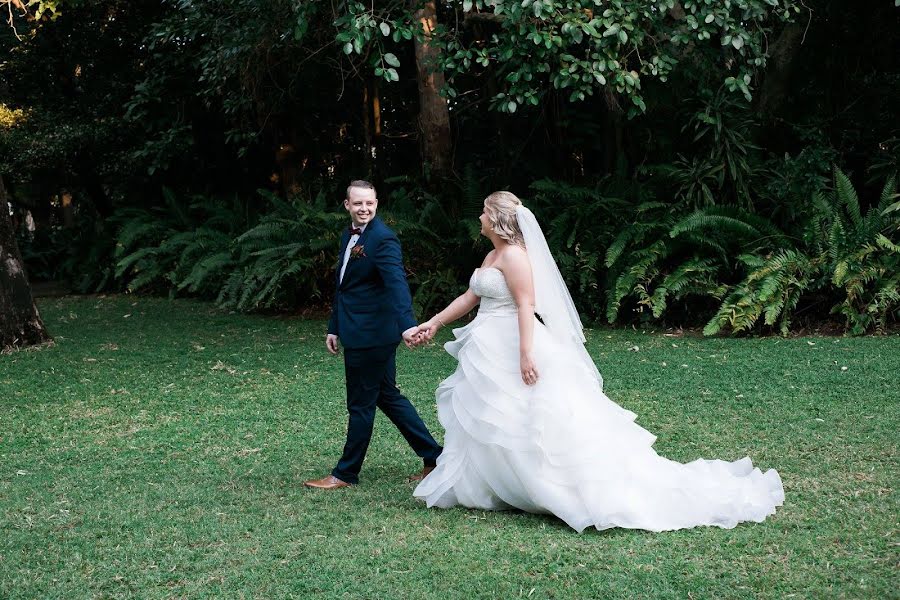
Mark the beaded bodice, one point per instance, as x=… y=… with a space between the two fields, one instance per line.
x=489 y=284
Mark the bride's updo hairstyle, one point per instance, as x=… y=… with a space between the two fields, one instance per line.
x=501 y=211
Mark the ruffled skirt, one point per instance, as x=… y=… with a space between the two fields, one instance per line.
x=562 y=447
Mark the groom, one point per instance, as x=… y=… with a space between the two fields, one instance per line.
x=372 y=312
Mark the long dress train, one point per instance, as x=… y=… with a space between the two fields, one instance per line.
x=561 y=446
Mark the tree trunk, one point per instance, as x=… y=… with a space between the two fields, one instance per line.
x=371 y=116
x=434 y=116
x=779 y=70
x=367 y=130
x=556 y=145
x=20 y=323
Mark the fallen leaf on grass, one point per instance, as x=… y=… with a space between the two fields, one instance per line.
x=220 y=366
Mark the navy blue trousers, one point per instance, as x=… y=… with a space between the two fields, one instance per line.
x=372 y=382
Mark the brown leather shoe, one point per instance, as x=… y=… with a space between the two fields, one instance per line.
x=422 y=475
x=326 y=483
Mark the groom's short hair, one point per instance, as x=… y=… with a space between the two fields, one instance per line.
x=360 y=183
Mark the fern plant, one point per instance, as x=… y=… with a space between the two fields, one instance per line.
x=863 y=254
x=771 y=290
x=141 y=263
x=184 y=246
x=666 y=255
x=850 y=256
x=287 y=258
x=206 y=257
x=579 y=223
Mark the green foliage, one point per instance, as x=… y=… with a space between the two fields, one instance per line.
x=668 y=253
x=773 y=288
x=287 y=258
x=584 y=47
x=575 y=46
x=218 y=250
x=863 y=253
x=115 y=100
x=224 y=52
x=886 y=161
x=579 y=223
x=183 y=246
x=724 y=162
x=363 y=31
x=81 y=256
x=788 y=181
x=440 y=237
x=845 y=254
x=143 y=259
x=68 y=77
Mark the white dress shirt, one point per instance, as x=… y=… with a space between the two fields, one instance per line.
x=353 y=239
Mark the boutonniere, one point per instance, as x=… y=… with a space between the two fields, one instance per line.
x=358 y=251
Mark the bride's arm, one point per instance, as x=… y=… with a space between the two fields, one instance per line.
x=463 y=304
x=517 y=271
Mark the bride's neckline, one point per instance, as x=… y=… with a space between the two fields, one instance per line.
x=486 y=268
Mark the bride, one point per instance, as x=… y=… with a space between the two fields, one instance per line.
x=528 y=426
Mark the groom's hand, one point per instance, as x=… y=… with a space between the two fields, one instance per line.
x=331 y=342
x=411 y=337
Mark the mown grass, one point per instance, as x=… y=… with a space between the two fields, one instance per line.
x=158 y=450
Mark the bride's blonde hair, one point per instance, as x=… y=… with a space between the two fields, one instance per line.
x=501 y=211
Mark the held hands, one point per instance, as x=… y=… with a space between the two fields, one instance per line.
x=412 y=337
x=528 y=368
x=428 y=329
x=420 y=335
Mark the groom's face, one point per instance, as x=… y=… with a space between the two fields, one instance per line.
x=361 y=203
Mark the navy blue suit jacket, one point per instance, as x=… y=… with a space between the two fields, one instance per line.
x=372 y=306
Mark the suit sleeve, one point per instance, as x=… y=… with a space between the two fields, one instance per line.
x=389 y=262
x=332 y=322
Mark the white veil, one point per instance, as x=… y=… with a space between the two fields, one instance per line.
x=551 y=296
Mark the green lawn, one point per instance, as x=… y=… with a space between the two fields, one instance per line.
x=158 y=450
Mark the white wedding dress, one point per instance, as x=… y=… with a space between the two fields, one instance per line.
x=562 y=447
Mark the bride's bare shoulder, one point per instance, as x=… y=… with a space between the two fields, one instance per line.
x=514 y=258
x=516 y=251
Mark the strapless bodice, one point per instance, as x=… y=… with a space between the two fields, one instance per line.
x=489 y=284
